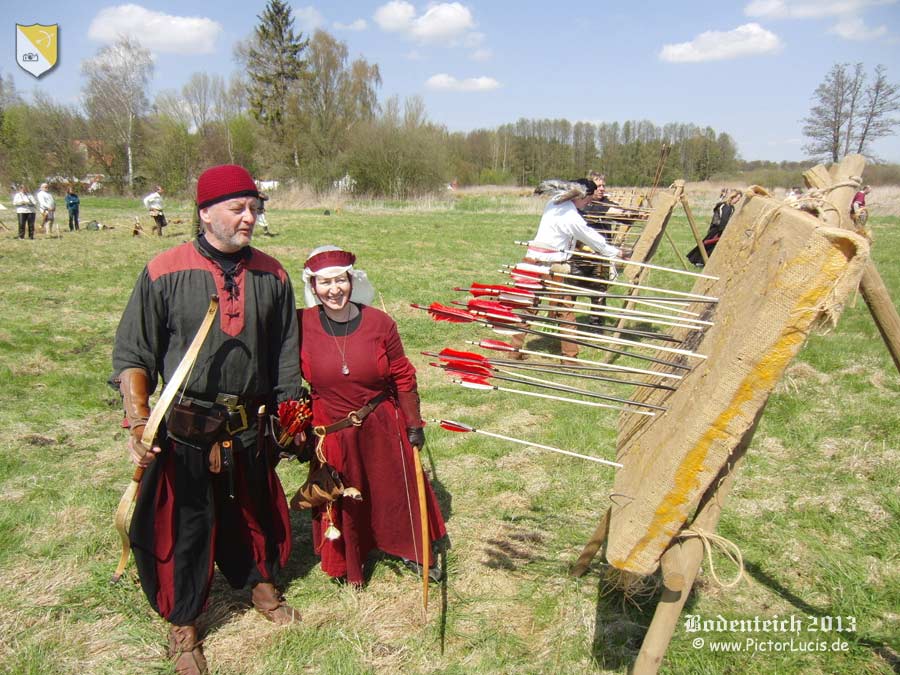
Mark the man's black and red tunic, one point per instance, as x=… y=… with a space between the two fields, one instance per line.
x=186 y=519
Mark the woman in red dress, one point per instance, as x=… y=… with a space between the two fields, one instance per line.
x=352 y=357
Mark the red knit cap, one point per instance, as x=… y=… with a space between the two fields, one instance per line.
x=327 y=259
x=226 y=181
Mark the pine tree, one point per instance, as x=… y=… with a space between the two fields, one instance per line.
x=274 y=65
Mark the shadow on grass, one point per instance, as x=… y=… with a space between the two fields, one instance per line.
x=226 y=602
x=622 y=622
x=883 y=650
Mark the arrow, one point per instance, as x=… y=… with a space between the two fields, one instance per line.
x=535 y=283
x=475 y=382
x=542 y=248
x=525 y=298
x=459 y=427
x=540 y=270
x=498 y=345
x=441 y=312
x=447 y=354
x=467 y=369
x=485 y=305
x=658 y=303
x=478 y=307
x=528 y=296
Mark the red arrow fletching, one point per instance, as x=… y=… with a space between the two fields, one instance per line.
x=464 y=368
x=473 y=382
x=447 y=354
x=492 y=309
x=497 y=345
x=451 y=425
x=441 y=312
x=479 y=290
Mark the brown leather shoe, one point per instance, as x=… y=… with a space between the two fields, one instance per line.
x=270 y=603
x=187 y=651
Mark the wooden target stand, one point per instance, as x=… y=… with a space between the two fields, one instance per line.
x=680 y=467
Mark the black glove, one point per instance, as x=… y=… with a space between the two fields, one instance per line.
x=416 y=436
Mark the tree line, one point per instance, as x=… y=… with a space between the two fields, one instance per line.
x=299 y=109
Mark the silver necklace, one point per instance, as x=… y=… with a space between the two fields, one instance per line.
x=342 y=350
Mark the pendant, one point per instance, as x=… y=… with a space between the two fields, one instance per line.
x=345 y=370
x=332 y=533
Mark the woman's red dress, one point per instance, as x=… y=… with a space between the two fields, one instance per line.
x=376 y=458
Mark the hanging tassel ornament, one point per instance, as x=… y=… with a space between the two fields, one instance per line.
x=331 y=532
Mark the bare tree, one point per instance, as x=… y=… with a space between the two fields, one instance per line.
x=200 y=93
x=882 y=101
x=115 y=99
x=847 y=114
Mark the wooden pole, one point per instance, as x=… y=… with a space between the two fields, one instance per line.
x=677 y=252
x=680 y=564
x=693 y=224
x=590 y=550
x=883 y=310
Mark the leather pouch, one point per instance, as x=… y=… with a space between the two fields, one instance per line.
x=196 y=424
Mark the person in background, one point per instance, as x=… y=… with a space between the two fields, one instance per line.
x=365 y=401
x=209 y=495
x=26 y=210
x=560 y=228
x=722 y=213
x=859 y=212
x=262 y=221
x=47 y=205
x=154 y=204
x=72 y=206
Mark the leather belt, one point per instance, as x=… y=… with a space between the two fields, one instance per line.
x=354 y=418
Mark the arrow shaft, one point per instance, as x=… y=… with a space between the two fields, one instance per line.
x=520 y=365
x=599 y=460
x=550 y=397
x=630 y=315
x=615 y=341
x=593 y=365
x=650 y=335
x=636 y=299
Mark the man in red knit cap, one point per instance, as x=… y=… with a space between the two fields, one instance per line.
x=209 y=493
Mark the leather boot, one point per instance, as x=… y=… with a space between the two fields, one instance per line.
x=270 y=603
x=187 y=651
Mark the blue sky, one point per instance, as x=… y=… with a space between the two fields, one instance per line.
x=748 y=68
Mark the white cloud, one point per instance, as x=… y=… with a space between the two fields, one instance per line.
x=854 y=28
x=157 y=31
x=396 y=15
x=482 y=55
x=359 y=24
x=747 y=40
x=807 y=9
x=444 y=82
x=445 y=22
x=309 y=18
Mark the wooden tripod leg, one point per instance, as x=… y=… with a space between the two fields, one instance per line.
x=690 y=218
x=883 y=311
x=590 y=550
x=680 y=564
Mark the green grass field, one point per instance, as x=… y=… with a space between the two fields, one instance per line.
x=814 y=509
